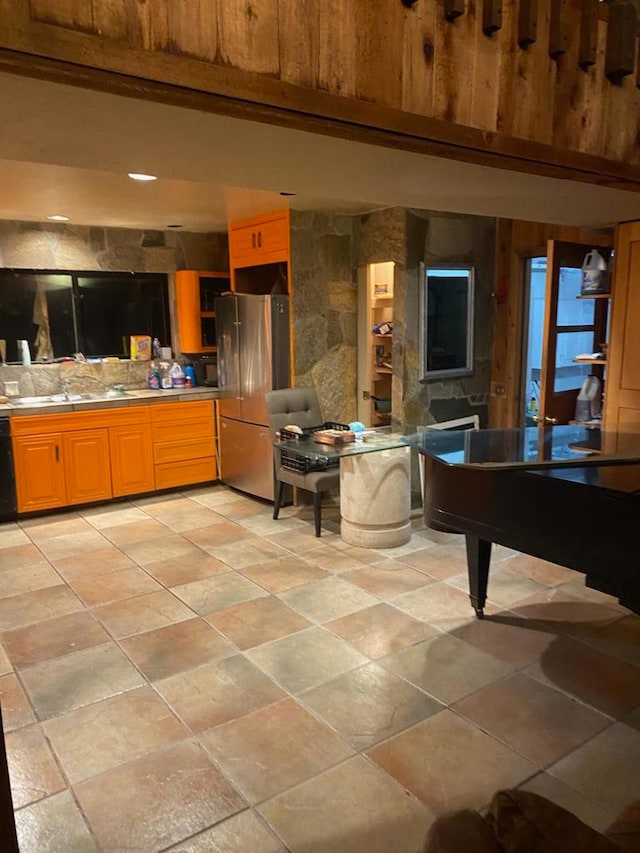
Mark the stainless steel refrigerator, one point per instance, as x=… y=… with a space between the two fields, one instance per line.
x=253 y=357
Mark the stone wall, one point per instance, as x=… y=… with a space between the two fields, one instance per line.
x=411 y=238
x=60 y=246
x=324 y=305
x=74 y=377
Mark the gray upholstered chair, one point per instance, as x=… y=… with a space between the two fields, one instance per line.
x=298 y=406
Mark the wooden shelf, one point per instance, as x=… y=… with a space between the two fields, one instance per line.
x=383 y=370
x=595 y=296
x=589 y=361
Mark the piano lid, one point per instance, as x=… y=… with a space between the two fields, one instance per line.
x=529 y=447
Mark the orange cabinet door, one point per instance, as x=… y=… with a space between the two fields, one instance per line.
x=86 y=465
x=262 y=240
x=39 y=469
x=131 y=460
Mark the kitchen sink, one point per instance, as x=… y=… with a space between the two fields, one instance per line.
x=68 y=398
x=38 y=401
x=96 y=395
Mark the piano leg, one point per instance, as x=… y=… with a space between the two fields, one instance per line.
x=478 y=560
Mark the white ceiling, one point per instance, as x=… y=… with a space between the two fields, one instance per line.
x=66 y=150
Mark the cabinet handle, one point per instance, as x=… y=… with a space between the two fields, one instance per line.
x=259 y=239
x=253 y=239
x=57 y=453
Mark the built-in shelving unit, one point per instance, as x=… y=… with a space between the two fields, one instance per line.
x=375 y=344
x=196 y=292
x=600 y=327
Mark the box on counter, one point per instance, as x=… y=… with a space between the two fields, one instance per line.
x=140 y=347
x=334 y=436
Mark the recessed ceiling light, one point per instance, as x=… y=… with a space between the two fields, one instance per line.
x=58 y=217
x=139 y=176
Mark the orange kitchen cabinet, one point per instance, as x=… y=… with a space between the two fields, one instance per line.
x=86 y=465
x=260 y=240
x=184 y=446
x=131 y=460
x=196 y=293
x=40 y=482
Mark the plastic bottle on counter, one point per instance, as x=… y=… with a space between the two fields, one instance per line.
x=153 y=377
x=190 y=376
x=176 y=373
x=165 y=376
x=157 y=349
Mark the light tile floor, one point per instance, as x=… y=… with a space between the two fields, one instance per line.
x=183 y=673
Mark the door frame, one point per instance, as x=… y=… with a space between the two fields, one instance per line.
x=516 y=241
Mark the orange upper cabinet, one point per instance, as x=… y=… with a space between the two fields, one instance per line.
x=196 y=293
x=260 y=240
x=131 y=460
x=40 y=482
x=86 y=465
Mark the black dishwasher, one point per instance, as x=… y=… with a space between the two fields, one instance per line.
x=7 y=478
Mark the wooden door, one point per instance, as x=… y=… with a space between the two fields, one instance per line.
x=131 y=460
x=40 y=482
x=622 y=400
x=573 y=326
x=86 y=465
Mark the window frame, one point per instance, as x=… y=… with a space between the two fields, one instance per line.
x=78 y=332
x=427 y=374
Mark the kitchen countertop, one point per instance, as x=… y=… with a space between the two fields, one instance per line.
x=126 y=398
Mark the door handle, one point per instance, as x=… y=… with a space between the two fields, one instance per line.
x=57 y=453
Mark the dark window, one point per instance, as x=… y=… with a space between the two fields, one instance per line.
x=447 y=322
x=89 y=312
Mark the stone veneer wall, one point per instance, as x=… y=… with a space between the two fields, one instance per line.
x=58 y=246
x=324 y=305
x=76 y=377
x=54 y=246
x=412 y=237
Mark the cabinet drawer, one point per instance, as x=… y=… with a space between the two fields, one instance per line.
x=170 y=413
x=175 y=451
x=184 y=473
x=183 y=431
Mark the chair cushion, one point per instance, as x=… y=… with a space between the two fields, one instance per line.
x=524 y=822
x=313 y=481
x=297 y=406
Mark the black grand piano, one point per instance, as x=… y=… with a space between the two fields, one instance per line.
x=566 y=494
